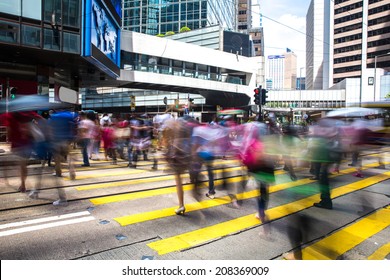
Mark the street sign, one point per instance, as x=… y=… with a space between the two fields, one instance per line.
x=132 y=103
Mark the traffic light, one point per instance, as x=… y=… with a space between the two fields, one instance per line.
x=263 y=96
x=12 y=92
x=257 y=95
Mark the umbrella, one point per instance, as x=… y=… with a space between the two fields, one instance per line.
x=353 y=112
x=30 y=103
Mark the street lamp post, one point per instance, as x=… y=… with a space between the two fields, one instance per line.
x=375 y=58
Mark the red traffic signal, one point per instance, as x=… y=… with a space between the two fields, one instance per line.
x=256 y=90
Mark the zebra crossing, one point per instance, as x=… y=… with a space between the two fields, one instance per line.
x=287 y=198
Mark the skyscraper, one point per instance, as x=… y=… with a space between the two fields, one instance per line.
x=160 y=16
x=344 y=38
x=361 y=32
x=319 y=34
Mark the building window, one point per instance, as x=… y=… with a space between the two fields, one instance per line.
x=70 y=13
x=52 y=39
x=9 y=32
x=71 y=43
x=31 y=36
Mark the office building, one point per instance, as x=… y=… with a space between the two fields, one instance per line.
x=161 y=16
x=319 y=47
x=282 y=70
x=344 y=39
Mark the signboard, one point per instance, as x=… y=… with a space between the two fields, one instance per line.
x=101 y=36
x=275 y=56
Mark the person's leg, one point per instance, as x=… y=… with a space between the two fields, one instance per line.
x=210 y=173
x=326 y=201
x=84 y=147
x=180 y=194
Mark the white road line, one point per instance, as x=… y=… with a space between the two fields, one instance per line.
x=43 y=220
x=44 y=226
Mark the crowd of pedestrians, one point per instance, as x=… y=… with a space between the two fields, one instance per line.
x=188 y=146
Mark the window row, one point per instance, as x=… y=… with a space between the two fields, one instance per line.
x=348 y=8
x=348 y=18
x=32 y=36
x=348 y=38
x=348 y=49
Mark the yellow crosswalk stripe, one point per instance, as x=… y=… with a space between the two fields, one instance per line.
x=333 y=246
x=129 y=171
x=143 y=180
x=381 y=253
x=203 y=235
x=131 y=219
x=156 y=192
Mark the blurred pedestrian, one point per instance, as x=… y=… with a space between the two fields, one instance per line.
x=177 y=143
x=85 y=130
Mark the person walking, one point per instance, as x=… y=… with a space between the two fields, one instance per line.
x=85 y=130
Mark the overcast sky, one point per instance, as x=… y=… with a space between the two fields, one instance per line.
x=278 y=37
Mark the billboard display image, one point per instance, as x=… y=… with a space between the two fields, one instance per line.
x=104 y=33
x=101 y=36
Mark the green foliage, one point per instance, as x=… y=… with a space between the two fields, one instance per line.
x=387 y=95
x=160 y=35
x=184 y=29
x=169 y=33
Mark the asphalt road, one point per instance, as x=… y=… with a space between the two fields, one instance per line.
x=120 y=213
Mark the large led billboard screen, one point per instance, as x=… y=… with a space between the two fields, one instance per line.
x=101 y=35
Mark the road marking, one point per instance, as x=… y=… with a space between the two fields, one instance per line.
x=203 y=235
x=46 y=226
x=333 y=246
x=43 y=220
x=133 y=171
x=157 y=214
x=145 y=180
x=381 y=253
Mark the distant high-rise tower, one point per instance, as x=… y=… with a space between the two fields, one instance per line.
x=160 y=16
x=282 y=70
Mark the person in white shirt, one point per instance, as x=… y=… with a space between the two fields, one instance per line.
x=85 y=130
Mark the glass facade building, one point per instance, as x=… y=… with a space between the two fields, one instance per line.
x=161 y=16
x=50 y=24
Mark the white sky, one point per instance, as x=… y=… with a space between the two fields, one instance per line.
x=278 y=37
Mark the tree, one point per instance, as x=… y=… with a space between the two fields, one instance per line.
x=184 y=29
x=387 y=96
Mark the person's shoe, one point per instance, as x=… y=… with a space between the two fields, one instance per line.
x=358 y=174
x=351 y=164
x=22 y=189
x=180 y=211
x=72 y=175
x=290 y=257
x=60 y=202
x=33 y=194
x=293 y=177
x=209 y=195
x=314 y=178
x=335 y=170
x=85 y=165
x=323 y=205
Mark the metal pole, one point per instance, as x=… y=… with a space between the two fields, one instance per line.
x=375 y=76
x=300 y=87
